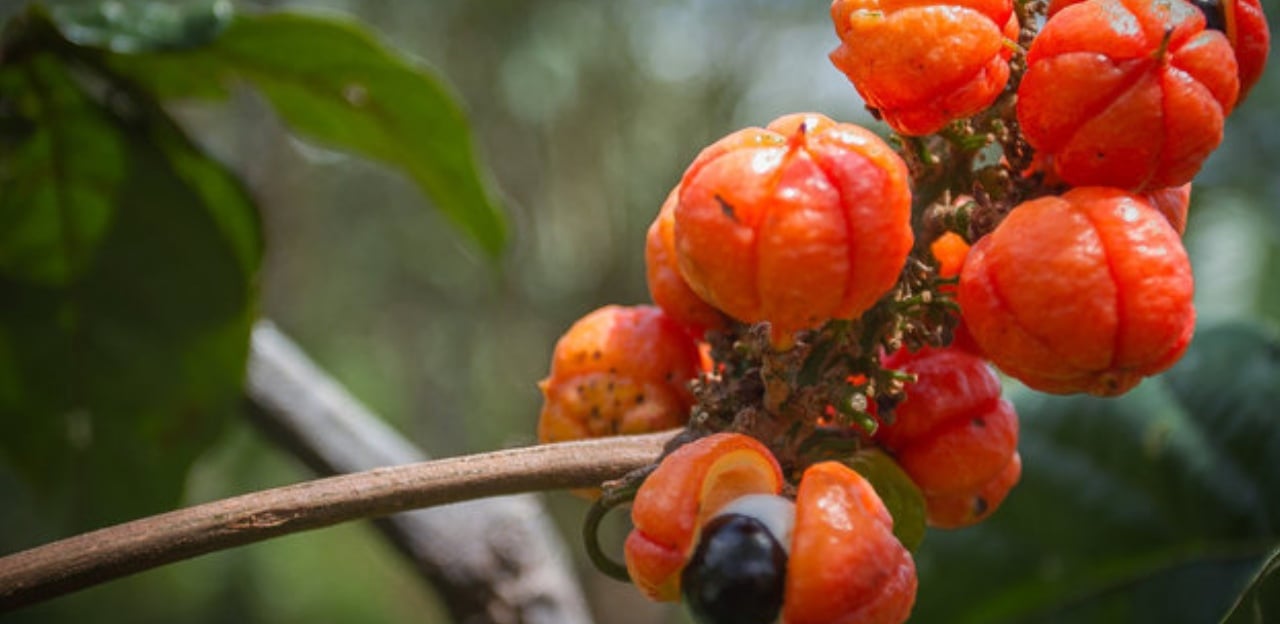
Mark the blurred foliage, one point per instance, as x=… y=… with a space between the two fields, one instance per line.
x=586 y=113
x=129 y=288
x=1153 y=507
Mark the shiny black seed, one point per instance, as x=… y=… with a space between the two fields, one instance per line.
x=1215 y=13
x=736 y=574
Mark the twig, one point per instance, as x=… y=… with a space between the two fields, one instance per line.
x=87 y=559
x=497 y=560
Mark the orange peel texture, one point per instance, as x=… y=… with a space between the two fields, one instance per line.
x=1087 y=292
x=618 y=370
x=1127 y=93
x=922 y=64
x=667 y=287
x=846 y=567
x=795 y=224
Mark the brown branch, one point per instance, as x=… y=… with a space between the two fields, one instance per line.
x=74 y=563
x=498 y=560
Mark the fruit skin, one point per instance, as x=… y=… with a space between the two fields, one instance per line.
x=953 y=433
x=1087 y=292
x=618 y=370
x=667 y=287
x=1245 y=26
x=1173 y=204
x=1250 y=37
x=924 y=64
x=846 y=566
x=1127 y=93
x=955 y=511
x=687 y=488
x=795 y=224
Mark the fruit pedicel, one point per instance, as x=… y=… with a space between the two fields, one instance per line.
x=830 y=308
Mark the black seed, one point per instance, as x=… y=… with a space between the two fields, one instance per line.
x=980 y=423
x=1215 y=13
x=737 y=573
x=639 y=399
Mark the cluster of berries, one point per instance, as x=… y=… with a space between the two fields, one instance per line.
x=783 y=232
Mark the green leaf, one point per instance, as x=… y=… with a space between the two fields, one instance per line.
x=897 y=490
x=142 y=26
x=114 y=381
x=1261 y=598
x=332 y=82
x=60 y=165
x=1155 y=507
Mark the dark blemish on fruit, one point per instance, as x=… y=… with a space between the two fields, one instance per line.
x=727 y=208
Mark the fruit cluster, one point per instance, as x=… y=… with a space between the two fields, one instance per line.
x=829 y=304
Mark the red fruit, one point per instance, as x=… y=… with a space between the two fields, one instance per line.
x=795 y=224
x=1087 y=292
x=954 y=511
x=688 y=487
x=846 y=566
x=924 y=64
x=618 y=370
x=1246 y=28
x=953 y=433
x=666 y=286
x=1127 y=93
x=1244 y=24
x=1173 y=204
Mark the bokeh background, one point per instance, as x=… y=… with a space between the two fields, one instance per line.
x=585 y=113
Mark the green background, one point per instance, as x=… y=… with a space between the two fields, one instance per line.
x=584 y=114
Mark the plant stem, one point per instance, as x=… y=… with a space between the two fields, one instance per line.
x=75 y=563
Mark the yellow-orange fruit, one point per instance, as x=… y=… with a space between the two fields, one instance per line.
x=618 y=370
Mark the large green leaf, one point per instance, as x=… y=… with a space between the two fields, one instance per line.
x=1155 y=507
x=60 y=165
x=115 y=378
x=332 y=82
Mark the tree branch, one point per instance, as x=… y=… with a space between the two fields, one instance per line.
x=67 y=565
x=497 y=560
